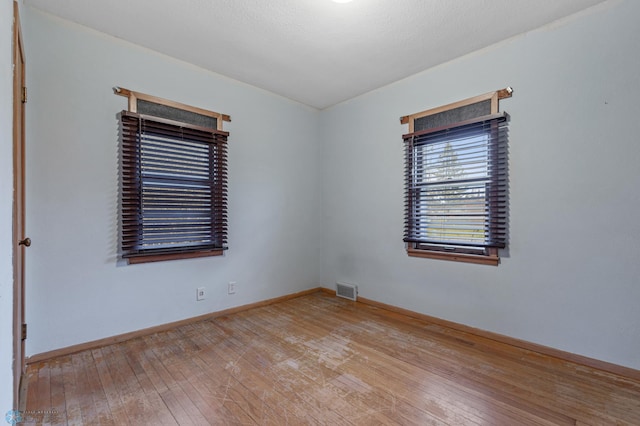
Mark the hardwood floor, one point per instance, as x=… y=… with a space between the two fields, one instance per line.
x=318 y=359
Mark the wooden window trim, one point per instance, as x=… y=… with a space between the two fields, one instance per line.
x=175 y=256
x=132 y=106
x=492 y=258
x=410 y=119
x=493 y=96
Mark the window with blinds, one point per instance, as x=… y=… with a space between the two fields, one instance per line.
x=456 y=183
x=173 y=187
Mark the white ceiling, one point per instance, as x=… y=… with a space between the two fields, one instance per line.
x=314 y=51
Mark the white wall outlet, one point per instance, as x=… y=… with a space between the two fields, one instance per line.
x=232 y=288
x=200 y=293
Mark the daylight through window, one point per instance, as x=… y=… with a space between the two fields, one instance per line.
x=456 y=183
x=174 y=184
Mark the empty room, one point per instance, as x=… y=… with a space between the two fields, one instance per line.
x=418 y=212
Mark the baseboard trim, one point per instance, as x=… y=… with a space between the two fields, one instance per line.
x=523 y=344
x=620 y=370
x=94 y=344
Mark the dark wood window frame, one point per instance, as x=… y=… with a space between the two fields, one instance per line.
x=488 y=255
x=170 y=167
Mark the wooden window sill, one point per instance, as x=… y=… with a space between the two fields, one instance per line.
x=492 y=260
x=173 y=256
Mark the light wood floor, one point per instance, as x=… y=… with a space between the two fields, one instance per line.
x=318 y=359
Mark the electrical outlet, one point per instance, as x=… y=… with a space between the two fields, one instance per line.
x=232 y=287
x=200 y=293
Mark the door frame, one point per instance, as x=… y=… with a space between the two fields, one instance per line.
x=19 y=99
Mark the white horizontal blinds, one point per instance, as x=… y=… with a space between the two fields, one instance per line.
x=174 y=180
x=456 y=185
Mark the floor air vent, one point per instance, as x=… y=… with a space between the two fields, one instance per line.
x=348 y=291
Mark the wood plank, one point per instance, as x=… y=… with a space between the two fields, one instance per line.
x=193 y=382
x=481 y=359
x=457 y=408
x=32 y=376
x=72 y=397
x=547 y=352
x=58 y=404
x=142 y=407
x=183 y=409
x=257 y=373
x=316 y=364
x=493 y=96
x=155 y=99
x=318 y=359
x=111 y=391
x=94 y=344
x=86 y=367
x=275 y=402
x=357 y=334
x=83 y=389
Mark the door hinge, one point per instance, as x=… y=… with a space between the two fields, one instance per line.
x=24 y=331
x=24 y=95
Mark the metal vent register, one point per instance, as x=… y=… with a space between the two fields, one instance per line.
x=348 y=291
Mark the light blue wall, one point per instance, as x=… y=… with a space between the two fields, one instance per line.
x=77 y=292
x=571 y=276
x=317 y=197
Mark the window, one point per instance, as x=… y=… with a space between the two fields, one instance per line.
x=456 y=186
x=173 y=180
